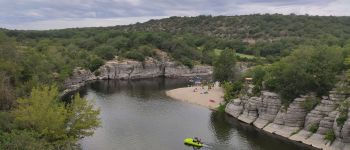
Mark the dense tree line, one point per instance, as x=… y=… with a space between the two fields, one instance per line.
x=272 y=34
x=309 y=69
x=297 y=54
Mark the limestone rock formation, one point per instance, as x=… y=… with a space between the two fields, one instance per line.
x=326 y=106
x=293 y=122
x=130 y=69
x=250 y=112
x=79 y=77
x=267 y=108
x=345 y=131
x=235 y=108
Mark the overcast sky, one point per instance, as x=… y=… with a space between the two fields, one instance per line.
x=57 y=14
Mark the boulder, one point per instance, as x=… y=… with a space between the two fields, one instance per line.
x=326 y=106
x=268 y=108
x=326 y=124
x=250 y=112
x=234 y=108
x=78 y=79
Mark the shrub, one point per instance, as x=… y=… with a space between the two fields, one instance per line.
x=136 y=55
x=310 y=103
x=224 y=66
x=28 y=140
x=307 y=69
x=231 y=90
x=343 y=113
x=105 y=51
x=187 y=62
x=330 y=136
x=314 y=127
x=221 y=107
x=95 y=64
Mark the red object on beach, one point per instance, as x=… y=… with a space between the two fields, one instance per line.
x=213 y=101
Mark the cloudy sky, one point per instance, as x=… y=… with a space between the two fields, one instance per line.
x=57 y=14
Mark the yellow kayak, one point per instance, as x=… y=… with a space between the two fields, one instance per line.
x=190 y=141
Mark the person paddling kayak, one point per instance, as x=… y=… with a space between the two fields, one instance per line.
x=193 y=142
x=197 y=140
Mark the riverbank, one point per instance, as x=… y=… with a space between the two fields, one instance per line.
x=295 y=122
x=197 y=95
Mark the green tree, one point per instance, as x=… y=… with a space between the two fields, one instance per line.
x=224 y=67
x=44 y=113
x=82 y=118
x=23 y=140
x=307 y=69
x=95 y=63
x=106 y=52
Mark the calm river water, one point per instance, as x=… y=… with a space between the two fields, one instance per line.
x=137 y=115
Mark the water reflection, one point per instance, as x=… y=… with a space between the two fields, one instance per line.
x=137 y=115
x=221 y=129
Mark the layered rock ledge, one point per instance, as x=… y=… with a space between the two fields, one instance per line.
x=295 y=122
x=131 y=69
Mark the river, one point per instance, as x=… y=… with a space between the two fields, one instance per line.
x=137 y=115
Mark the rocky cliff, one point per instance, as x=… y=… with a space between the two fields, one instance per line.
x=131 y=69
x=295 y=122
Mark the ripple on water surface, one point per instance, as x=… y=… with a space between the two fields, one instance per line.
x=137 y=115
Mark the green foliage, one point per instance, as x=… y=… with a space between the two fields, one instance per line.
x=105 y=51
x=135 y=55
x=258 y=74
x=6 y=123
x=23 y=140
x=7 y=93
x=224 y=67
x=187 y=62
x=45 y=114
x=231 y=90
x=314 y=127
x=82 y=118
x=221 y=108
x=32 y=58
x=95 y=64
x=307 y=69
x=310 y=103
x=343 y=116
x=330 y=136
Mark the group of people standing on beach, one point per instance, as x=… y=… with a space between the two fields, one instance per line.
x=206 y=86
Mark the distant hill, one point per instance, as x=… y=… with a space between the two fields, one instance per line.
x=251 y=27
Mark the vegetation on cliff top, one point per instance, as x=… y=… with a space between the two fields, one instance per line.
x=306 y=53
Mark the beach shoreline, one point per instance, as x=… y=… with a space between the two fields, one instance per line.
x=199 y=96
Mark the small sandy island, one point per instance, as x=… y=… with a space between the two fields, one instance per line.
x=196 y=95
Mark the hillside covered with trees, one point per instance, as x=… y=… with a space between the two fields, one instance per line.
x=296 y=54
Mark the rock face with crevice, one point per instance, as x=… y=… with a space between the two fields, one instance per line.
x=294 y=121
x=150 y=68
x=267 y=108
x=131 y=69
x=79 y=78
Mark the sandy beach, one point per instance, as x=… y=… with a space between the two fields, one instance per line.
x=211 y=100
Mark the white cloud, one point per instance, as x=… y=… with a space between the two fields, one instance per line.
x=335 y=8
x=50 y=14
x=84 y=22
